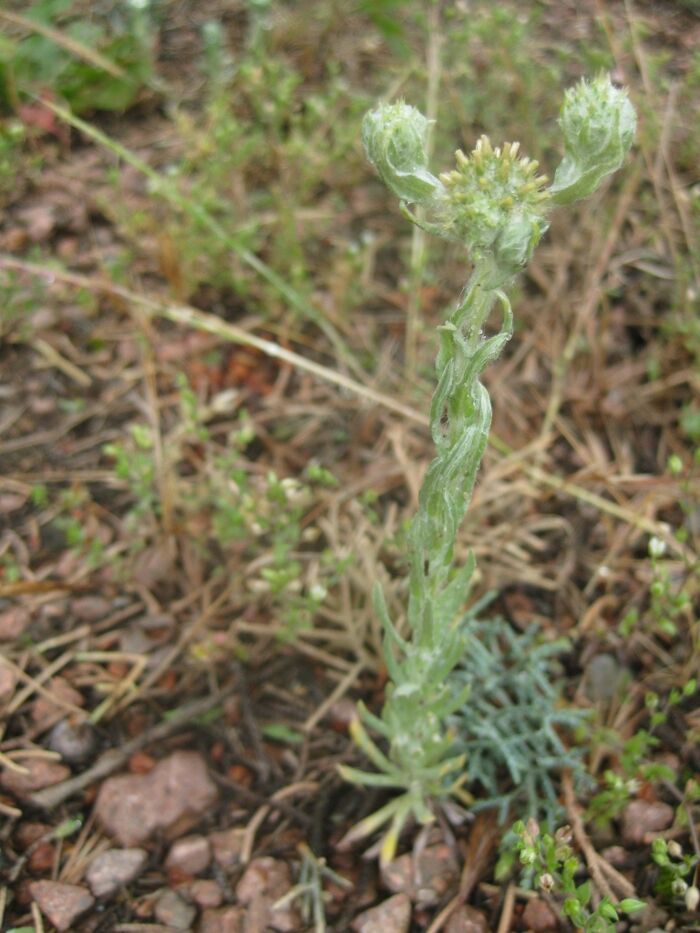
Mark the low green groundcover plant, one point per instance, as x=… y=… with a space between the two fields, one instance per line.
x=471 y=701
x=556 y=867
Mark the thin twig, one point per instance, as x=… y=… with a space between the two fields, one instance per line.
x=200 y=320
x=339 y=691
x=507 y=909
x=112 y=760
x=597 y=865
x=482 y=840
x=209 y=323
x=62 y=39
x=171 y=193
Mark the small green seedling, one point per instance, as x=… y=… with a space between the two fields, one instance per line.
x=555 y=866
x=497 y=204
x=309 y=892
x=675 y=867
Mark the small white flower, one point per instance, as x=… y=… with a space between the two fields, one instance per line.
x=657 y=547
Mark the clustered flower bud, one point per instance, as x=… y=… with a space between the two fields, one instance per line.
x=394 y=137
x=598 y=123
x=494 y=201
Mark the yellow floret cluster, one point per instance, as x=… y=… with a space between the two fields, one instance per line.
x=487 y=189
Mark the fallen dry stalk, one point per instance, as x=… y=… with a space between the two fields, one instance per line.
x=209 y=323
x=112 y=760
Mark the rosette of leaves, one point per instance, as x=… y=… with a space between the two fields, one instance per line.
x=444 y=672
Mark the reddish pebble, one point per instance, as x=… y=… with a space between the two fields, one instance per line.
x=227 y=845
x=8 y=682
x=226 y=920
x=206 y=893
x=11 y=502
x=28 y=833
x=615 y=855
x=425 y=878
x=174 y=912
x=264 y=882
x=170 y=799
x=467 y=919
x=191 y=855
x=241 y=775
x=63 y=904
x=114 y=868
x=41 y=859
x=141 y=763
x=39 y=773
x=641 y=820
x=168 y=681
x=539 y=917
x=47 y=708
x=391 y=916
x=341 y=714
x=13 y=622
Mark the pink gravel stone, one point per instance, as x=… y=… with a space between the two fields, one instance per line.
x=539 y=917
x=174 y=912
x=8 y=682
x=190 y=855
x=61 y=903
x=40 y=773
x=264 y=882
x=206 y=893
x=642 y=819
x=467 y=919
x=171 y=797
x=227 y=846
x=391 y=916
x=13 y=622
x=226 y=920
x=114 y=868
x=425 y=878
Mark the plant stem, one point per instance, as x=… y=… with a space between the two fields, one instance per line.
x=460 y=418
x=460 y=421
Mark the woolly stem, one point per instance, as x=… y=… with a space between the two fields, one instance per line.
x=460 y=421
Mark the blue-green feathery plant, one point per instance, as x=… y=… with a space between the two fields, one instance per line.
x=496 y=204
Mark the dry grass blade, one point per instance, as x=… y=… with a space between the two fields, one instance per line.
x=209 y=323
x=482 y=841
x=111 y=761
x=33 y=587
x=200 y=320
x=76 y=48
x=604 y=875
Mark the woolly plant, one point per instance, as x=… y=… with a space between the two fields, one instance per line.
x=497 y=205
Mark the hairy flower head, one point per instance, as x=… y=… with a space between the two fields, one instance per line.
x=394 y=137
x=598 y=123
x=495 y=202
